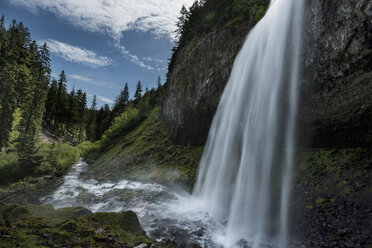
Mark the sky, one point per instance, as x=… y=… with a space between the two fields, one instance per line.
x=101 y=44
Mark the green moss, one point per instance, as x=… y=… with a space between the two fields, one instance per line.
x=57 y=215
x=42 y=226
x=320 y=201
x=127 y=221
x=331 y=175
x=335 y=171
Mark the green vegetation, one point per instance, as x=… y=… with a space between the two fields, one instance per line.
x=42 y=226
x=143 y=152
x=329 y=175
x=333 y=192
x=207 y=15
x=28 y=101
x=342 y=172
x=54 y=160
x=24 y=79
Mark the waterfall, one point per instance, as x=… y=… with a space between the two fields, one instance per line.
x=245 y=172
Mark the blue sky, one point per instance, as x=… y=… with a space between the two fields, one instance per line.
x=101 y=44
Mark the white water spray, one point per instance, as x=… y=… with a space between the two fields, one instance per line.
x=245 y=173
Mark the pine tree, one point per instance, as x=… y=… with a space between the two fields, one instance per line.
x=93 y=107
x=51 y=102
x=159 y=82
x=71 y=113
x=138 y=93
x=121 y=102
x=92 y=121
x=103 y=120
x=33 y=106
x=61 y=103
x=182 y=20
x=2 y=24
x=82 y=97
x=125 y=95
x=8 y=96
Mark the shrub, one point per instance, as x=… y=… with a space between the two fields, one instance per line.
x=57 y=158
x=9 y=169
x=122 y=124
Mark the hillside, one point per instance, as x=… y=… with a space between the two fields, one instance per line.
x=146 y=153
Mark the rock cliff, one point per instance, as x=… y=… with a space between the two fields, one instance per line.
x=337 y=80
x=196 y=82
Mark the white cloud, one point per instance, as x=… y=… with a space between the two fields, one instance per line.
x=102 y=98
x=114 y=16
x=80 y=78
x=106 y=100
x=90 y=81
x=76 y=54
x=132 y=58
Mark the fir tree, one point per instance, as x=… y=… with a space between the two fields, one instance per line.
x=92 y=121
x=61 y=102
x=138 y=93
x=159 y=82
x=51 y=103
x=121 y=101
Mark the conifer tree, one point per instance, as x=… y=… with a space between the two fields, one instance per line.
x=138 y=93
x=159 y=82
x=92 y=121
x=103 y=120
x=121 y=102
x=61 y=102
x=51 y=103
x=33 y=106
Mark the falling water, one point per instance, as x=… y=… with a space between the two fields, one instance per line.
x=245 y=173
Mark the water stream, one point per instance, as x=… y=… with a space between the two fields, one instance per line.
x=164 y=213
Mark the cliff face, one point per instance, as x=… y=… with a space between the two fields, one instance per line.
x=336 y=88
x=196 y=83
x=337 y=83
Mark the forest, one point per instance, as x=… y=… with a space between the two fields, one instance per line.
x=32 y=100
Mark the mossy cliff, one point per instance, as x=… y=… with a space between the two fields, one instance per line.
x=332 y=198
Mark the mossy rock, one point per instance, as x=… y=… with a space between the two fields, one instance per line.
x=13 y=212
x=33 y=226
x=58 y=215
x=127 y=221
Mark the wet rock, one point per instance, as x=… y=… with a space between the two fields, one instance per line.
x=336 y=87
